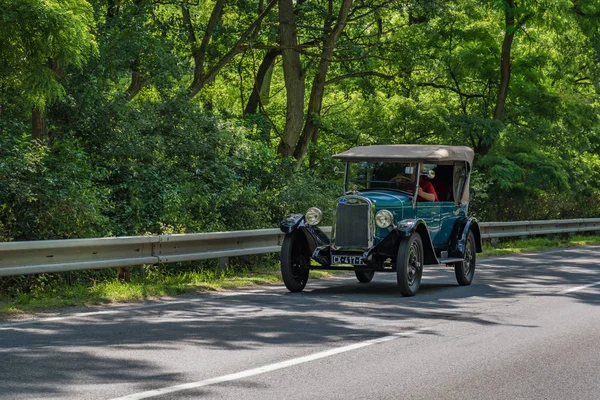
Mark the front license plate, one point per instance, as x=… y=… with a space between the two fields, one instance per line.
x=339 y=259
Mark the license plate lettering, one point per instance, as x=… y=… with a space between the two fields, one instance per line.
x=342 y=259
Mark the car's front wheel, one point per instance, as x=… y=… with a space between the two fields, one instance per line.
x=364 y=276
x=465 y=270
x=293 y=260
x=409 y=265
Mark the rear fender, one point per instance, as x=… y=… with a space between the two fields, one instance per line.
x=460 y=232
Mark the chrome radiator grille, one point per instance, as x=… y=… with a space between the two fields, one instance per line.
x=352 y=225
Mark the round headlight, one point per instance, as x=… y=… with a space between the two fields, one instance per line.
x=384 y=218
x=313 y=216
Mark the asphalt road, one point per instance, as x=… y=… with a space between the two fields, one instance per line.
x=527 y=328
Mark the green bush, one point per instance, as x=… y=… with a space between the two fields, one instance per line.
x=48 y=191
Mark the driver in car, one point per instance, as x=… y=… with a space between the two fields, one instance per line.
x=426 y=190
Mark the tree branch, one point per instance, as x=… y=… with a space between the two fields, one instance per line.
x=371 y=10
x=199 y=53
x=236 y=49
x=438 y=86
x=360 y=75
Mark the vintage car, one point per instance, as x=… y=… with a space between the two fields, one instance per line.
x=384 y=223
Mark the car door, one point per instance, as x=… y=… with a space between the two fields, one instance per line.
x=450 y=211
x=429 y=211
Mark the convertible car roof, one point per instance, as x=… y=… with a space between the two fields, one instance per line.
x=435 y=154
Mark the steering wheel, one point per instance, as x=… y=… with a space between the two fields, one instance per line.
x=401 y=179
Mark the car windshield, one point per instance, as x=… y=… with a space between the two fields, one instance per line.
x=382 y=175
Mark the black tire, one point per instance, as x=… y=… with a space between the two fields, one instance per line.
x=409 y=265
x=293 y=256
x=364 y=276
x=465 y=270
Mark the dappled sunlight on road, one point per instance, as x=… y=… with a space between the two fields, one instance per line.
x=335 y=310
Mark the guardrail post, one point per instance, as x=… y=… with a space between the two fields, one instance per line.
x=124 y=274
x=224 y=263
x=529 y=229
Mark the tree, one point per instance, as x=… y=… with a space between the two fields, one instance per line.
x=204 y=74
x=38 y=41
x=512 y=25
x=330 y=34
x=294 y=79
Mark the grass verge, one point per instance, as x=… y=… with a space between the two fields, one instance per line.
x=536 y=244
x=156 y=286
x=174 y=283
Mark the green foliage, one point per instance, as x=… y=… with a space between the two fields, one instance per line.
x=48 y=192
x=513 y=184
x=38 y=38
x=306 y=190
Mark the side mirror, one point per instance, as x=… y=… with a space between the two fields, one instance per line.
x=428 y=174
x=338 y=171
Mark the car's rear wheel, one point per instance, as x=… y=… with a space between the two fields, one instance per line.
x=364 y=276
x=465 y=270
x=293 y=258
x=409 y=265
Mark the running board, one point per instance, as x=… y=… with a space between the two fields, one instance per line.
x=450 y=260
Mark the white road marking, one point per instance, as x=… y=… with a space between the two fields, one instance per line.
x=266 y=368
x=575 y=289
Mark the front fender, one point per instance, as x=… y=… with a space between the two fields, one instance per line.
x=291 y=222
x=405 y=229
x=315 y=237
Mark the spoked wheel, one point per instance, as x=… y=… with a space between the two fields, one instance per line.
x=465 y=270
x=293 y=257
x=409 y=265
x=364 y=276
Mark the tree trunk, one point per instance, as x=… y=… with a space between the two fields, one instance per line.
x=311 y=127
x=265 y=65
x=265 y=88
x=509 y=34
x=199 y=52
x=294 y=79
x=38 y=122
x=137 y=81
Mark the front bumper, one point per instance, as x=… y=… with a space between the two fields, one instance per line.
x=372 y=256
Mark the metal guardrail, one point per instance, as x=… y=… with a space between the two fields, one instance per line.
x=493 y=230
x=20 y=258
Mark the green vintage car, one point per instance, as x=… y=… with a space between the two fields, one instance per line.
x=404 y=207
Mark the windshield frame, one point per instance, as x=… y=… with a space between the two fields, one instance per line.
x=412 y=194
